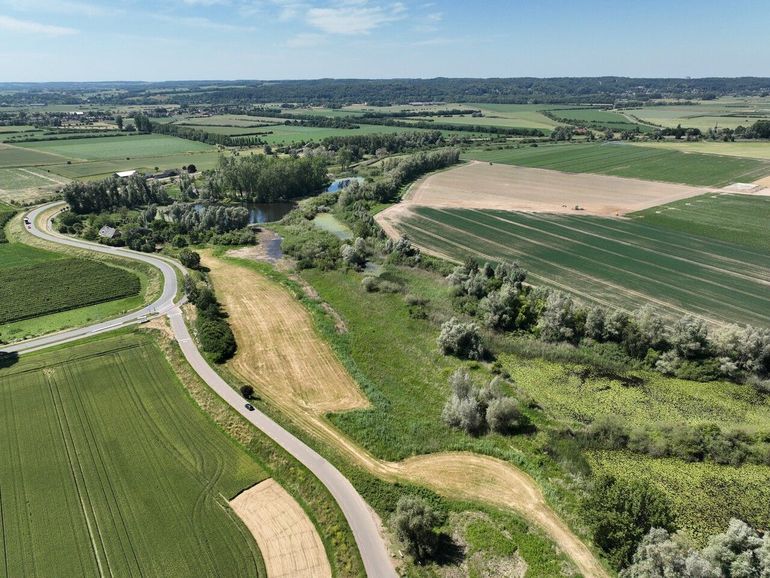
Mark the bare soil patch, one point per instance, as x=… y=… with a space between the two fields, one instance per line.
x=290 y=544
x=285 y=360
x=479 y=185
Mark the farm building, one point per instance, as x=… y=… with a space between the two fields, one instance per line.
x=125 y=174
x=108 y=232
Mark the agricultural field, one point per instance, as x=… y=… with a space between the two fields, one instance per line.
x=748 y=149
x=620 y=263
x=504 y=115
x=624 y=160
x=28 y=291
x=480 y=185
x=726 y=112
x=287 y=134
x=100 y=169
x=102 y=148
x=732 y=218
x=29 y=170
x=14 y=156
x=110 y=463
x=615 y=120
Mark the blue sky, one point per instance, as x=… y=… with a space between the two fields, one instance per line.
x=50 y=40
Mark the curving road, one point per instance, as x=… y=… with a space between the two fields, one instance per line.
x=365 y=529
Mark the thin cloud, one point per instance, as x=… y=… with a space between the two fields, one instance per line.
x=30 y=27
x=203 y=23
x=63 y=7
x=353 y=17
x=306 y=40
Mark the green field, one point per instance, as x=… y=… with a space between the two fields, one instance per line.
x=624 y=160
x=739 y=219
x=115 y=147
x=23 y=178
x=92 y=169
x=111 y=469
x=18 y=255
x=597 y=116
x=330 y=223
x=620 y=263
x=93 y=158
x=727 y=112
x=15 y=156
x=28 y=291
x=748 y=149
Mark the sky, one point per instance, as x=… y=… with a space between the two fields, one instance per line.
x=92 y=40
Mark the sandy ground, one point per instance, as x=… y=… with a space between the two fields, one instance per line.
x=288 y=540
x=479 y=185
x=765 y=182
x=280 y=353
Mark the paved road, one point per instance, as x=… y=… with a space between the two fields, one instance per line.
x=371 y=545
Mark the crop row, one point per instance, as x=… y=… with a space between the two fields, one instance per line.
x=608 y=261
x=29 y=291
x=135 y=492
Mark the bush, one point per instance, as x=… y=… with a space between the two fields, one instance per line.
x=503 y=416
x=247 y=391
x=189 y=259
x=620 y=513
x=461 y=339
x=216 y=337
x=415 y=522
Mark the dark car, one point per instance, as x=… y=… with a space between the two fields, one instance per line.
x=249 y=407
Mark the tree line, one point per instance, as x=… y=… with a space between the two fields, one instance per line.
x=689 y=349
x=265 y=179
x=113 y=193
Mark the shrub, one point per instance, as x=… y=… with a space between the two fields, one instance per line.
x=503 y=416
x=620 y=513
x=461 y=339
x=415 y=522
x=247 y=391
x=189 y=259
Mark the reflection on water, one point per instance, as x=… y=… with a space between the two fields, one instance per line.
x=267 y=212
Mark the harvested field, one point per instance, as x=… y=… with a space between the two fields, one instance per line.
x=278 y=349
x=480 y=185
x=290 y=544
x=280 y=353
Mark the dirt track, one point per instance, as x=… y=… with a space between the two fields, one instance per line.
x=280 y=353
x=288 y=540
x=478 y=185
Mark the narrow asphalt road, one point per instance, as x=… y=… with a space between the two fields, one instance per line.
x=365 y=530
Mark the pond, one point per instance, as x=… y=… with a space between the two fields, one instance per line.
x=340 y=184
x=267 y=212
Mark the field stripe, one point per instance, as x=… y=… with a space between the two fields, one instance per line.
x=584 y=278
x=699 y=279
x=72 y=460
x=673 y=289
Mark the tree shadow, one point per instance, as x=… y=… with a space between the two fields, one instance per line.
x=8 y=358
x=448 y=552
